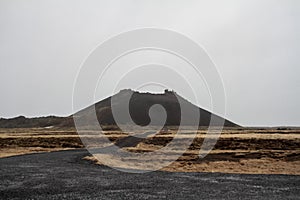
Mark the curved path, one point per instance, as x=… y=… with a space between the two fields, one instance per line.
x=65 y=175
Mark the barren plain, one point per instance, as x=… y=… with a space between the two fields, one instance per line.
x=238 y=150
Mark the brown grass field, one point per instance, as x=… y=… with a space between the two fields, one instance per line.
x=239 y=150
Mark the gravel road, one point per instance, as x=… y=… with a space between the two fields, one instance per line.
x=65 y=175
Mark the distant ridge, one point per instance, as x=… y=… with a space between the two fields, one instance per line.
x=139 y=106
x=36 y=122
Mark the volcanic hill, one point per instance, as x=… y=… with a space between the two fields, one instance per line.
x=139 y=105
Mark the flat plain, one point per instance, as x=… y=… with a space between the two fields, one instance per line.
x=238 y=150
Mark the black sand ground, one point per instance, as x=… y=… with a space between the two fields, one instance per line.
x=65 y=175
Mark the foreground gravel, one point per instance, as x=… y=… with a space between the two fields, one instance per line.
x=65 y=175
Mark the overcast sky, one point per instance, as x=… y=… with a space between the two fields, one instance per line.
x=254 y=44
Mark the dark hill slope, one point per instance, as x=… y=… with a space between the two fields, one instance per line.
x=139 y=106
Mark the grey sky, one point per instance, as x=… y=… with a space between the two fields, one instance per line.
x=255 y=45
